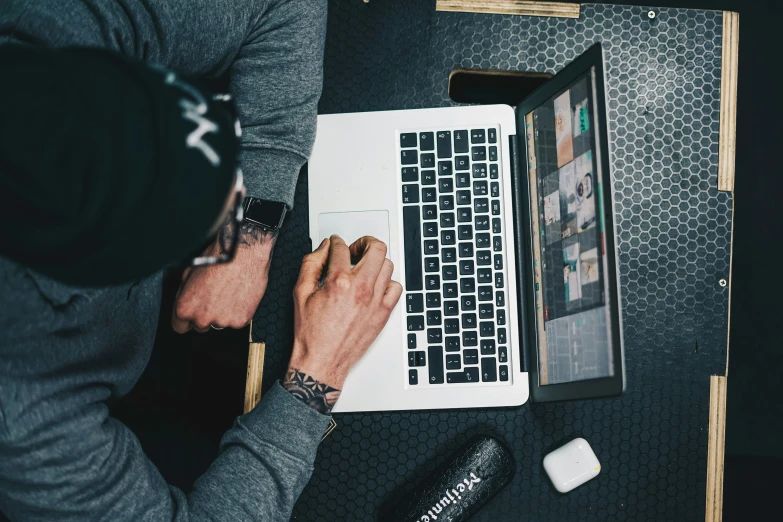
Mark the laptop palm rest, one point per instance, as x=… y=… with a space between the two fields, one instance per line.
x=352 y=225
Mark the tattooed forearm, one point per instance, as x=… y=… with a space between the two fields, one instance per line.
x=252 y=235
x=320 y=397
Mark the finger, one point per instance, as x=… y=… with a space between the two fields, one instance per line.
x=370 y=253
x=392 y=295
x=384 y=276
x=180 y=326
x=313 y=267
x=200 y=329
x=339 y=256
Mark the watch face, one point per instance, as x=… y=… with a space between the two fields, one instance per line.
x=268 y=214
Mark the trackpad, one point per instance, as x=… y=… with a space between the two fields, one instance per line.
x=352 y=225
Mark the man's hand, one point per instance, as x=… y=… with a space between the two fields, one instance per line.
x=335 y=323
x=226 y=295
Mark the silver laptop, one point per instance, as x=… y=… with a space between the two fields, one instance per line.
x=436 y=186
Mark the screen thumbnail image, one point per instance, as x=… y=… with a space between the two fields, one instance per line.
x=564 y=129
x=588 y=267
x=568 y=200
x=584 y=191
x=571 y=273
x=581 y=118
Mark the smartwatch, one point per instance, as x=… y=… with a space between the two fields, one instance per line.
x=264 y=214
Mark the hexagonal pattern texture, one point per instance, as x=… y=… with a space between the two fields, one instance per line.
x=674 y=228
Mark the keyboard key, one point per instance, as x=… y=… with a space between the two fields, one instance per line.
x=470 y=338
x=486 y=311
x=492 y=136
x=444 y=144
x=411 y=222
x=447 y=220
x=481 y=205
x=494 y=189
x=413 y=377
x=461 y=141
x=461 y=163
x=502 y=354
x=497 y=244
x=466 y=250
x=493 y=154
x=421 y=358
x=484 y=275
x=433 y=318
x=486 y=329
x=485 y=293
x=488 y=369
x=468 y=303
x=427 y=160
x=429 y=212
x=498 y=279
x=496 y=225
x=436 y=364
x=430 y=229
x=470 y=356
x=434 y=335
x=411 y=341
x=466 y=267
x=453 y=361
x=415 y=323
x=465 y=232
x=410 y=174
x=495 y=207
x=427 y=140
x=433 y=299
x=487 y=347
x=445 y=168
x=479 y=170
x=452 y=343
x=431 y=247
x=411 y=358
x=463 y=180
x=463 y=197
x=408 y=140
x=428 y=177
x=501 y=319
x=476 y=154
x=449 y=272
x=450 y=308
x=467 y=285
x=501 y=336
x=504 y=373
x=493 y=171
x=448 y=237
x=451 y=326
x=482 y=240
x=414 y=303
x=464 y=215
x=469 y=375
x=446 y=185
x=446 y=203
x=428 y=194
x=410 y=194
x=480 y=188
x=431 y=264
x=500 y=299
x=476 y=136
x=450 y=291
x=483 y=258
x=498 y=261
x=409 y=157
x=448 y=255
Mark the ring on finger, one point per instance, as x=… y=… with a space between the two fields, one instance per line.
x=216 y=327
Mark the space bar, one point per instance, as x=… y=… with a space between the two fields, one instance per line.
x=411 y=221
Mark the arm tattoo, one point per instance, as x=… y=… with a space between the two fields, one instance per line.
x=250 y=234
x=320 y=397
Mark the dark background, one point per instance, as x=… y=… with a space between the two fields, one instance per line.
x=193 y=387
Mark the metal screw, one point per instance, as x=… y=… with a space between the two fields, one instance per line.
x=722 y=282
x=651 y=15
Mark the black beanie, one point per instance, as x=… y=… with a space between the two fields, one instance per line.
x=110 y=169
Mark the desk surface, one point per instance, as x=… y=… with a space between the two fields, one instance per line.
x=664 y=91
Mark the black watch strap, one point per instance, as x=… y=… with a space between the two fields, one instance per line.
x=263 y=213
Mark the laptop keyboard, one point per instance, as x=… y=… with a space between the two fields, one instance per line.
x=455 y=288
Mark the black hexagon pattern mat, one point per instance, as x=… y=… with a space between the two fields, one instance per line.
x=663 y=86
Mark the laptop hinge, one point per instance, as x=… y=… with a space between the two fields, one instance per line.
x=520 y=254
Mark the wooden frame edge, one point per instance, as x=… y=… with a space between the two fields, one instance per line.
x=728 y=102
x=715 y=449
x=511 y=7
x=255 y=373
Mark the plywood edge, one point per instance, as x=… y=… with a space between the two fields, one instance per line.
x=715 y=449
x=728 y=101
x=511 y=7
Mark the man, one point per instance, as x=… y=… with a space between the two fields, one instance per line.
x=120 y=181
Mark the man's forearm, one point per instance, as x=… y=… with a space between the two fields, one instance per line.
x=319 y=396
